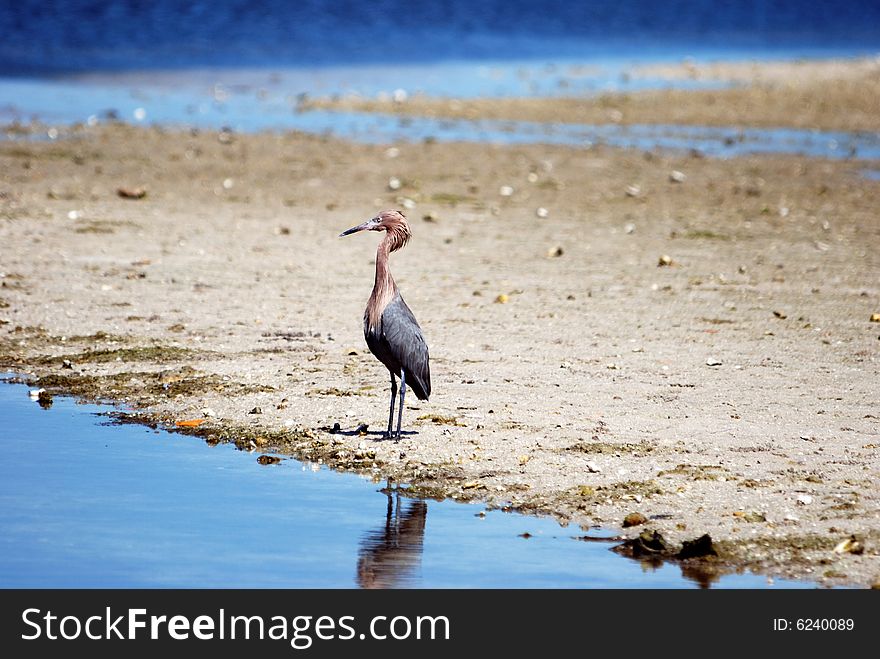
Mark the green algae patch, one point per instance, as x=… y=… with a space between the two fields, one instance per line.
x=698 y=472
x=333 y=391
x=158 y=354
x=441 y=420
x=609 y=448
x=143 y=388
x=583 y=497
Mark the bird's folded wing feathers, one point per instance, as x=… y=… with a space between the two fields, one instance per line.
x=404 y=337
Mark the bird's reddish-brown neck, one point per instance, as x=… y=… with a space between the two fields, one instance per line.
x=384 y=287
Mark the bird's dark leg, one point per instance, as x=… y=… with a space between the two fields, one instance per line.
x=389 y=512
x=391 y=412
x=402 y=394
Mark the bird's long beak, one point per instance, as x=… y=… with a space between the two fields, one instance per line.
x=369 y=224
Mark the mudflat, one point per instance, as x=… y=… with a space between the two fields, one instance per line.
x=611 y=331
x=828 y=95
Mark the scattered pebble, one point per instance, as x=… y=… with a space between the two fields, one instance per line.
x=664 y=261
x=542 y=212
x=751 y=516
x=502 y=299
x=268 y=460
x=67 y=364
x=629 y=228
x=394 y=183
x=875 y=317
x=633 y=191
x=555 y=252
x=505 y=191
x=804 y=499
x=634 y=519
x=131 y=193
x=593 y=468
x=208 y=412
x=713 y=362
x=676 y=176
x=849 y=546
x=256 y=410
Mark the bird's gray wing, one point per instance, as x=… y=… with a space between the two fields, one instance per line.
x=405 y=341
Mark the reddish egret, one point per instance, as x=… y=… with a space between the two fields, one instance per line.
x=390 y=328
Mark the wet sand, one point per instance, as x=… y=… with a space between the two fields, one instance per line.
x=831 y=95
x=731 y=390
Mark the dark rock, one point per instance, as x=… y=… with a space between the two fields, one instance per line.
x=649 y=543
x=701 y=546
x=45 y=400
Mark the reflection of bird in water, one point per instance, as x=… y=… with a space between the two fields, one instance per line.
x=390 y=556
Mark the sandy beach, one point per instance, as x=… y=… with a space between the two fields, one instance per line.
x=682 y=337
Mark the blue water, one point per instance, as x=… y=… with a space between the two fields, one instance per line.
x=86 y=35
x=87 y=504
x=250 y=114
x=248 y=65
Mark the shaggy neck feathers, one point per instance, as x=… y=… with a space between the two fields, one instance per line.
x=384 y=287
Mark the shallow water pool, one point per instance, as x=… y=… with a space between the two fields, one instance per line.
x=87 y=503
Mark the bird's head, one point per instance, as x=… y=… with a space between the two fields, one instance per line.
x=394 y=222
